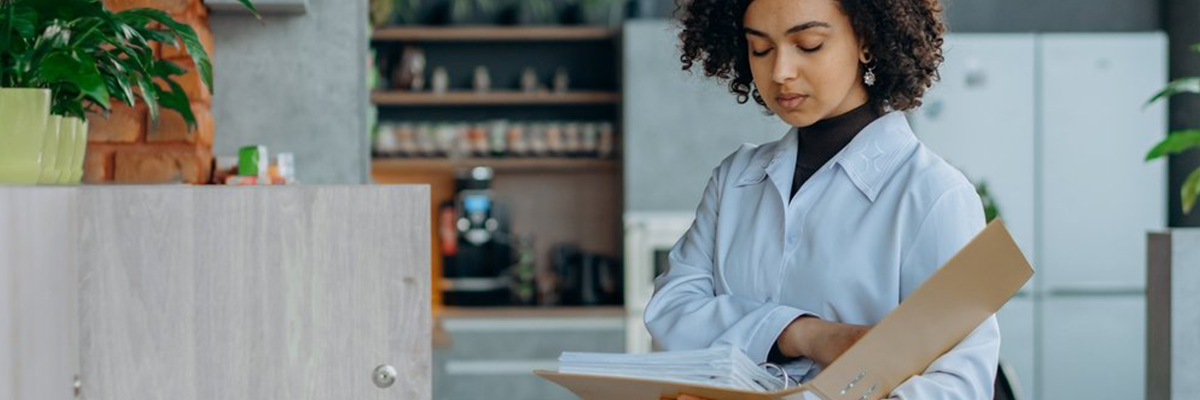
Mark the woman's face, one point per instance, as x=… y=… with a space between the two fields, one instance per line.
x=805 y=59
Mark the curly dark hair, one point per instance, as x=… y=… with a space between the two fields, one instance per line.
x=903 y=37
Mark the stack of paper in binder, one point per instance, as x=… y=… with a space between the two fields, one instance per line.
x=721 y=366
x=967 y=290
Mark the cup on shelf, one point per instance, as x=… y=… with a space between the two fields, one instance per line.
x=441 y=81
x=496 y=137
x=606 y=143
x=573 y=142
x=517 y=145
x=386 y=143
x=406 y=138
x=555 y=142
x=427 y=140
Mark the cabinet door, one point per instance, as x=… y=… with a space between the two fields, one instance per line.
x=1099 y=198
x=289 y=293
x=980 y=118
x=1094 y=347
x=38 y=353
x=1017 y=342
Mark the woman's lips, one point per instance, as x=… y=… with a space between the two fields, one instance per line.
x=791 y=101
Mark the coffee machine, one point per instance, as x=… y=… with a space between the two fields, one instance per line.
x=476 y=269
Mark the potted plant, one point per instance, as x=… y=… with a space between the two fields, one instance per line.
x=82 y=56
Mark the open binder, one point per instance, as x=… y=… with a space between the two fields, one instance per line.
x=968 y=289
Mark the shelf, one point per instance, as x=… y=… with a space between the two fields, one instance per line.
x=504 y=98
x=451 y=312
x=492 y=34
x=385 y=165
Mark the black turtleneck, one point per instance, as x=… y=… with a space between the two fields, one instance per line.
x=822 y=140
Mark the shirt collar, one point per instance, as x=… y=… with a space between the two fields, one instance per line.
x=870 y=158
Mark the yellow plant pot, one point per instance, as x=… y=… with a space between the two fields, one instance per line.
x=66 y=150
x=81 y=134
x=23 y=116
x=50 y=169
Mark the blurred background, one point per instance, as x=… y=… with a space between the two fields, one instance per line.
x=566 y=152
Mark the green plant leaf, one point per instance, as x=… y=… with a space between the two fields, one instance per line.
x=1196 y=47
x=191 y=42
x=119 y=80
x=1175 y=143
x=149 y=92
x=78 y=70
x=176 y=99
x=24 y=21
x=164 y=68
x=1190 y=190
x=250 y=6
x=1181 y=85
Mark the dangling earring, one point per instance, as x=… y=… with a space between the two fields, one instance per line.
x=869 y=77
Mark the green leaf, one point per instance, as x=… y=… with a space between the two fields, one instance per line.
x=1190 y=190
x=250 y=6
x=1196 y=47
x=1182 y=85
x=78 y=70
x=191 y=41
x=24 y=21
x=149 y=93
x=176 y=99
x=120 y=81
x=164 y=68
x=1175 y=143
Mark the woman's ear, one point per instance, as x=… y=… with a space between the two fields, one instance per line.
x=864 y=56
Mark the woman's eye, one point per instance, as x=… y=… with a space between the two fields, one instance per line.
x=810 y=49
x=760 y=53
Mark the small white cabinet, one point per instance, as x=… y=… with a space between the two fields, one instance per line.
x=1099 y=197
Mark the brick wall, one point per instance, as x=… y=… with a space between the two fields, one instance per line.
x=127 y=147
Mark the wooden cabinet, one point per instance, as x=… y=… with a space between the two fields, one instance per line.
x=205 y=293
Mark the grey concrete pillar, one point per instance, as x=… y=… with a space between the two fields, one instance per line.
x=1173 y=315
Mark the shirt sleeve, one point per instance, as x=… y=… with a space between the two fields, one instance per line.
x=686 y=313
x=968 y=370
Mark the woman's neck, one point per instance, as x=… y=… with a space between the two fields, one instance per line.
x=822 y=140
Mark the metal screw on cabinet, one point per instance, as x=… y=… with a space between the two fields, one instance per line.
x=78 y=385
x=384 y=376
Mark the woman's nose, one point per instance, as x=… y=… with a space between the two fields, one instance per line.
x=785 y=68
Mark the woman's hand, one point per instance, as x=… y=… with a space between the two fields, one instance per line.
x=819 y=340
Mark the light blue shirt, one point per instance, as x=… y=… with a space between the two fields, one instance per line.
x=861 y=234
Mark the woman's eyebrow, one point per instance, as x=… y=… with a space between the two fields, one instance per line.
x=794 y=29
x=807 y=25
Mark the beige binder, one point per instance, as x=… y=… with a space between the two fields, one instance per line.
x=972 y=286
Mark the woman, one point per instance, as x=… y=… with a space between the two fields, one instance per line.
x=800 y=245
